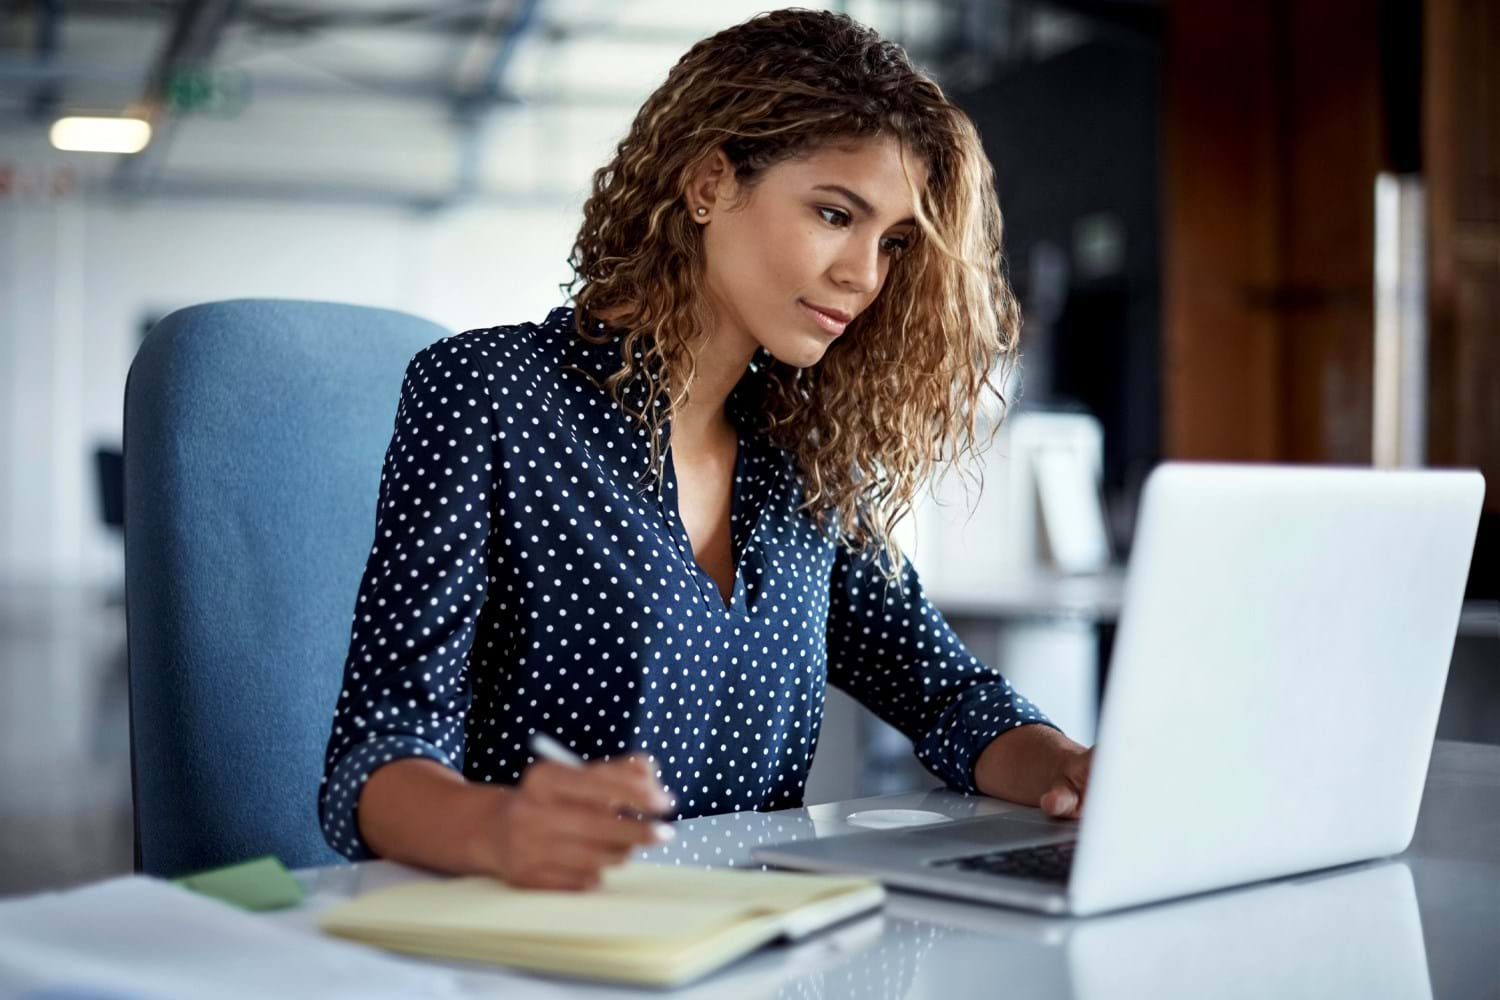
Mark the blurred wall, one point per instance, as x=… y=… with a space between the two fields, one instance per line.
x=79 y=277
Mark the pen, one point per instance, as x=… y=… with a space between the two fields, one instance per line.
x=547 y=748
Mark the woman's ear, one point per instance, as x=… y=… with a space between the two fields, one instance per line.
x=711 y=185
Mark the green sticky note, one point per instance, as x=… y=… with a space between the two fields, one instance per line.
x=261 y=884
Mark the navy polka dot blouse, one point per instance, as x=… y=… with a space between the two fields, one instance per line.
x=525 y=578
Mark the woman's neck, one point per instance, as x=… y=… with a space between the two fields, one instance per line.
x=724 y=355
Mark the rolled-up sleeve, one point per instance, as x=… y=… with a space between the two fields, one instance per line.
x=893 y=651
x=406 y=690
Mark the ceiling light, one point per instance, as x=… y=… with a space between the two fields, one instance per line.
x=100 y=135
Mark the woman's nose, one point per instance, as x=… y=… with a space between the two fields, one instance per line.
x=858 y=267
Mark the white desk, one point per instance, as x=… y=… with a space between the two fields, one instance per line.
x=1426 y=924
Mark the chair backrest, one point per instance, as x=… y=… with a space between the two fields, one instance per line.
x=254 y=436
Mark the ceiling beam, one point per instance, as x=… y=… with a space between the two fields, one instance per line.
x=47 y=95
x=477 y=85
x=195 y=35
x=462 y=20
x=264 y=85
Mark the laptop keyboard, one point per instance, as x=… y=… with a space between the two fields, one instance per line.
x=1044 y=863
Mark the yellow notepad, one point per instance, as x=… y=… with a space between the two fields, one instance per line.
x=657 y=925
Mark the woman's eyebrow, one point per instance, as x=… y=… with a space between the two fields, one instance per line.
x=859 y=203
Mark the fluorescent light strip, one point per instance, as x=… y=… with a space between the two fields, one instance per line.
x=100 y=135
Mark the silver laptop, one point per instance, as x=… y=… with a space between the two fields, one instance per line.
x=1272 y=702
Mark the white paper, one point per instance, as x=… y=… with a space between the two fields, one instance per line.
x=146 y=938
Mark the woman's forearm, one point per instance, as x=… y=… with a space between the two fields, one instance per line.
x=420 y=812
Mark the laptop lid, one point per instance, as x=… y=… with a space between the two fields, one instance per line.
x=1276 y=678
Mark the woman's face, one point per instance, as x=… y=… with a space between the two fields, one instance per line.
x=809 y=249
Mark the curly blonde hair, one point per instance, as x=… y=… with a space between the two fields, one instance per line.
x=899 y=394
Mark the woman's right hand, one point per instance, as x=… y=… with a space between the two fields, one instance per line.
x=561 y=826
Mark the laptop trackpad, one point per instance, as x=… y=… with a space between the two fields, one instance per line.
x=988 y=834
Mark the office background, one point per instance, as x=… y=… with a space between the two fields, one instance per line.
x=1224 y=222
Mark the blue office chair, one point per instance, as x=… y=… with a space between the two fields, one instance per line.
x=255 y=430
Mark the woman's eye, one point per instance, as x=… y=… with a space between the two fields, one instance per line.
x=892 y=246
x=840 y=217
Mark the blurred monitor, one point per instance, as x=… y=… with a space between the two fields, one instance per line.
x=109 y=471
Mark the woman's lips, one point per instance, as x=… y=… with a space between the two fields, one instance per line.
x=830 y=326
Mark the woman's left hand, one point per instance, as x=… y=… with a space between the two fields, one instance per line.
x=1063 y=798
x=1036 y=766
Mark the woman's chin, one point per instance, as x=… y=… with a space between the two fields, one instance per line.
x=805 y=353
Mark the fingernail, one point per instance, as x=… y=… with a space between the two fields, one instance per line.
x=663 y=832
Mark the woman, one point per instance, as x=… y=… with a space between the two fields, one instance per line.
x=655 y=525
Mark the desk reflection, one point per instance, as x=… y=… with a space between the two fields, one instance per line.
x=1351 y=932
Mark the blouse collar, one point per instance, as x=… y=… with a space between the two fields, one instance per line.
x=601 y=360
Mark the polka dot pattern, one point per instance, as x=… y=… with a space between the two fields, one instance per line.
x=523 y=579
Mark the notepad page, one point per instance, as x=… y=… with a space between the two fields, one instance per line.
x=485 y=905
x=777 y=890
x=648 y=924
x=635 y=902
x=661 y=962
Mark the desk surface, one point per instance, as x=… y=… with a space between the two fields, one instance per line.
x=1421 y=925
